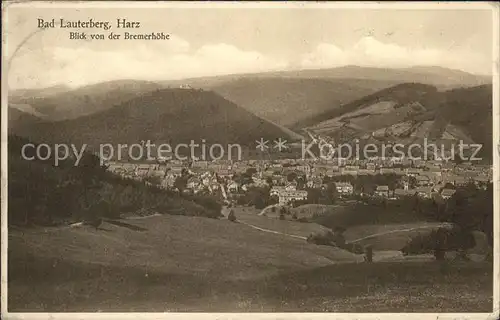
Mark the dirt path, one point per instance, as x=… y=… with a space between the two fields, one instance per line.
x=395 y=231
x=271 y=231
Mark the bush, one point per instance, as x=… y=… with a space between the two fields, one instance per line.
x=325 y=238
x=439 y=241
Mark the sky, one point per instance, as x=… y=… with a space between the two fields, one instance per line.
x=215 y=41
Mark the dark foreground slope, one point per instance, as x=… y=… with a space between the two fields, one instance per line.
x=411 y=112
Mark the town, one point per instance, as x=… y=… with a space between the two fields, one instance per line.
x=291 y=181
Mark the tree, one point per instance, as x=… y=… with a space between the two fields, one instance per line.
x=313 y=196
x=181 y=183
x=331 y=192
x=154 y=180
x=251 y=171
x=301 y=181
x=291 y=176
x=449 y=186
x=412 y=182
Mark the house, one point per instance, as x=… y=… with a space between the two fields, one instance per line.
x=291 y=186
x=460 y=181
x=276 y=190
x=225 y=162
x=233 y=186
x=406 y=162
x=286 y=197
x=351 y=168
x=176 y=162
x=481 y=181
x=224 y=173
x=447 y=193
x=314 y=182
x=382 y=191
x=115 y=167
x=365 y=172
x=266 y=174
x=413 y=172
x=200 y=164
x=448 y=166
x=346 y=172
x=398 y=171
x=213 y=186
x=423 y=192
x=344 y=188
x=432 y=167
x=417 y=163
x=214 y=167
x=330 y=172
x=142 y=170
x=371 y=166
x=423 y=181
x=176 y=170
x=260 y=182
x=387 y=171
x=278 y=180
x=193 y=183
x=168 y=181
x=276 y=170
x=303 y=169
x=396 y=160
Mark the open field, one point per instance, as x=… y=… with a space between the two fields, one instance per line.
x=199 y=264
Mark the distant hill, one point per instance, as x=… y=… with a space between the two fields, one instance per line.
x=286 y=98
x=290 y=97
x=23 y=115
x=289 y=100
x=163 y=116
x=38 y=92
x=74 y=103
x=437 y=76
x=408 y=113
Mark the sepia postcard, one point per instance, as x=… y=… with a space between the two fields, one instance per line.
x=259 y=160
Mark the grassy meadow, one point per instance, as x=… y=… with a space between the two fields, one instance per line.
x=179 y=263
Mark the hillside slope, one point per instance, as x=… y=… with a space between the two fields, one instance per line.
x=433 y=75
x=163 y=116
x=23 y=115
x=408 y=113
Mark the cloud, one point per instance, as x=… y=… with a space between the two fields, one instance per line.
x=369 y=51
x=177 y=58
x=172 y=59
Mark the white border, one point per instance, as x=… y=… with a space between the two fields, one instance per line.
x=296 y=5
